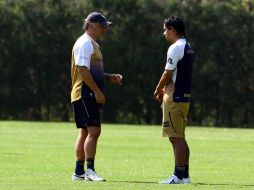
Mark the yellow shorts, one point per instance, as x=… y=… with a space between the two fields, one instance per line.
x=174 y=118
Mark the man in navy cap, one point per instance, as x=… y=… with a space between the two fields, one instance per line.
x=87 y=94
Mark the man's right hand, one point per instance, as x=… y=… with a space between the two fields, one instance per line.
x=99 y=96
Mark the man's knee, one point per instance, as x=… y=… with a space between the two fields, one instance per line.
x=174 y=140
x=94 y=132
x=83 y=132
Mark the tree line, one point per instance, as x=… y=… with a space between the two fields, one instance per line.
x=37 y=37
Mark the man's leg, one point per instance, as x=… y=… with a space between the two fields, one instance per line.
x=187 y=155
x=186 y=160
x=90 y=151
x=80 y=152
x=174 y=123
x=90 y=145
x=79 y=145
x=179 y=153
x=172 y=128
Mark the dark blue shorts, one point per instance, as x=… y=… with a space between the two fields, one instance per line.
x=87 y=113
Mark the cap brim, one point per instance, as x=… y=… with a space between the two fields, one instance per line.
x=109 y=23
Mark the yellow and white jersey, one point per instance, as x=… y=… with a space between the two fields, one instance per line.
x=86 y=52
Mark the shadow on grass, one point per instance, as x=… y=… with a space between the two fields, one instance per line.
x=150 y=182
x=11 y=153
x=223 y=184
x=195 y=184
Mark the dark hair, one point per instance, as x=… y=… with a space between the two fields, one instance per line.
x=176 y=23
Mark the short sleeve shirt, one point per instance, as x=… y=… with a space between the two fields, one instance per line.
x=175 y=53
x=83 y=49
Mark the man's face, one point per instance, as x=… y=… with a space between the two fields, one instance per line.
x=99 y=30
x=169 y=33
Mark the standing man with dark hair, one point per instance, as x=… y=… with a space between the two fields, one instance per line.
x=87 y=94
x=175 y=83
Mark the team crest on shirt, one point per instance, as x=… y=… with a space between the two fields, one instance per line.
x=170 y=61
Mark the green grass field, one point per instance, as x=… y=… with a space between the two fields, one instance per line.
x=36 y=156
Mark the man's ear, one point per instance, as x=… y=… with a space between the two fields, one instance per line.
x=92 y=25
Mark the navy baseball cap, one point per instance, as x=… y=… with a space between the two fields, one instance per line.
x=99 y=18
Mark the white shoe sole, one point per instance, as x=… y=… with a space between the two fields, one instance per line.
x=186 y=181
x=88 y=179
x=75 y=178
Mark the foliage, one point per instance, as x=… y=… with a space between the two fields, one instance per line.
x=37 y=38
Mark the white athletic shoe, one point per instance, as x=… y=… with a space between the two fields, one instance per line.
x=76 y=177
x=91 y=175
x=172 y=180
x=186 y=180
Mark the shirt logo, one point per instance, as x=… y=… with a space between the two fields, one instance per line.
x=170 y=61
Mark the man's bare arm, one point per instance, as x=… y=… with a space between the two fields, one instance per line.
x=166 y=78
x=88 y=79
